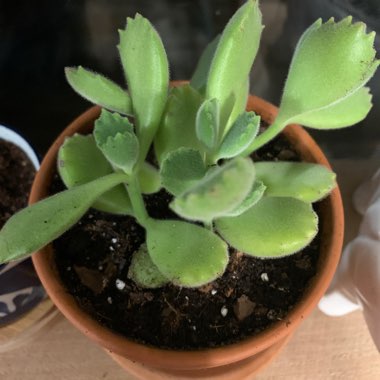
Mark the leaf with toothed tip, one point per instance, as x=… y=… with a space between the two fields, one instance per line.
x=116 y=139
x=99 y=90
x=80 y=161
x=331 y=64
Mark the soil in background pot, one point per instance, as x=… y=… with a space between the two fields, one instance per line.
x=16 y=177
x=93 y=259
x=20 y=288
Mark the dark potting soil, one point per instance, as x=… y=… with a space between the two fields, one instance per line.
x=16 y=177
x=93 y=259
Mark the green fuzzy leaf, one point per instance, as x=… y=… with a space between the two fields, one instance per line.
x=240 y=136
x=207 y=123
x=115 y=138
x=177 y=127
x=146 y=69
x=39 y=224
x=80 y=161
x=217 y=193
x=181 y=170
x=234 y=55
x=187 y=254
x=250 y=200
x=304 y=181
x=332 y=62
x=199 y=78
x=274 y=227
x=143 y=271
x=348 y=112
x=110 y=124
x=122 y=151
x=149 y=179
x=240 y=97
x=99 y=90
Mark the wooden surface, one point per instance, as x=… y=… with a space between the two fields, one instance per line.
x=25 y=328
x=323 y=348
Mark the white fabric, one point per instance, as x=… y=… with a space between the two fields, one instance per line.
x=356 y=284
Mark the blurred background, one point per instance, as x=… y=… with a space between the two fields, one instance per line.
x=38 y=39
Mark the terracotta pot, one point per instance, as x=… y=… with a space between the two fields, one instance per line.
x=235 y=361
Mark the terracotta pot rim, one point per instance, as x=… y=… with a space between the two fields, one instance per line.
x=204 y=358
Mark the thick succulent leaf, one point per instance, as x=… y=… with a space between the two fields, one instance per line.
x=39 y=224
x=240 y=136
x=250 y=200
x=304 y=181
x=348 y=112
x=181 y=170
x=177 y=127
x=331 y=62
x=274 y=227
x=235 y=54
x=187 y=254
x=207 y=122
x=149 y=178
x=143 y=271
x=199 y=78
x=217 y=193
x=241 y=93
x=99 y=90
x=115 y=138
x=146 y=69
x=122 y=151
x=80 y=161
x=109 y=124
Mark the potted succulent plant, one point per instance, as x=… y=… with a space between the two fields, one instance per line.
x=184 y=179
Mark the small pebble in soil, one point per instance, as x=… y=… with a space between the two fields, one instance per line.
x=213 y=292
x=120 y=284
x=112 y=248
x=272 y=314
x=194 y=328
x=264 y=277
x=114 y=240
x=224 y=311
x=109 y=300
x=243 y=307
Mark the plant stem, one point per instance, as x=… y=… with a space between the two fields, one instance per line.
x=137 y=200
x=272 y=131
